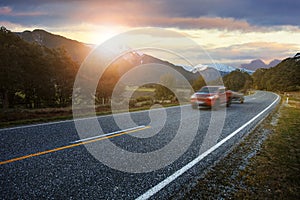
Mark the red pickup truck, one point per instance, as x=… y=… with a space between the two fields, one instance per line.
x=214 y=96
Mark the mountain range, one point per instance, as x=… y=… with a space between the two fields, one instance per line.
x=222 y=68
x=78 y=51
x=257 y=64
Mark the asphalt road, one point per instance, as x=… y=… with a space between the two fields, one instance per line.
x=44 y=161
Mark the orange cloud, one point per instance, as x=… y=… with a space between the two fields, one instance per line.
x=138 y=16
x=201 y=23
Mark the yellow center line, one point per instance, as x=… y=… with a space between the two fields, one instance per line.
x=69 y=146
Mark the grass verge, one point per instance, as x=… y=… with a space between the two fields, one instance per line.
x=275 y=172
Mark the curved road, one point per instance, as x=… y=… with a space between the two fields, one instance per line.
x=48 y=161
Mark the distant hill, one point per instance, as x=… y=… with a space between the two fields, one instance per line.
x=188 y=75
x=77 y=50
x=134 y=59
x=273 y=63
x=258 y=64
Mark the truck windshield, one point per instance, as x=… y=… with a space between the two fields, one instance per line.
x=209 y=90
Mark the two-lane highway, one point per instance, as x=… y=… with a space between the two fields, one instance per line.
x=48 y=161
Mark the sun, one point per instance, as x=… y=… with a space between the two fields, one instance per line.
x=91 y=34
x=103 y=34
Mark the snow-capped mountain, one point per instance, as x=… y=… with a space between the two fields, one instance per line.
x=222 y=68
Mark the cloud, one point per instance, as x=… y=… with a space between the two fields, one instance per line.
x=256 y=12
x=176 y=22
x=10 y=25
x=17 y=27
x=254 y=50
x=5 y=10
x=200 y=23
x=8 y=11
x=230 y=14
x=32 y=14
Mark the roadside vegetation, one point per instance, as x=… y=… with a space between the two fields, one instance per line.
x=275 y=172
x=143 y=99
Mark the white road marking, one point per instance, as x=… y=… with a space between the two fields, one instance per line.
x=108 y=134
x=179 y=172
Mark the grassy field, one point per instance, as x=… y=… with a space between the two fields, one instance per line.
x=15 y=117
x=21 y=116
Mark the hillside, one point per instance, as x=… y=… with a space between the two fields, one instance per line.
x=77 y=50
x=32 y=75
x=258 y=64
x=133 y=59
x=283 y=77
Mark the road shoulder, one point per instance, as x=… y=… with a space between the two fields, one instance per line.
x=233 y=176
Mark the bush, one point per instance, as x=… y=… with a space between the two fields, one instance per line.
x=143 y=98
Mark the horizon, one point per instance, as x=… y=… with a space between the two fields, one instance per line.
x=235 y=33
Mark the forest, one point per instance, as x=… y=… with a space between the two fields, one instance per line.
x=285 y=77
x=34 y=76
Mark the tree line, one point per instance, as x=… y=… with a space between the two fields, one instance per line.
x=236 y=80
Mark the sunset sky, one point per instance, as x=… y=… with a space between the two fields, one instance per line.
x=232 y=31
